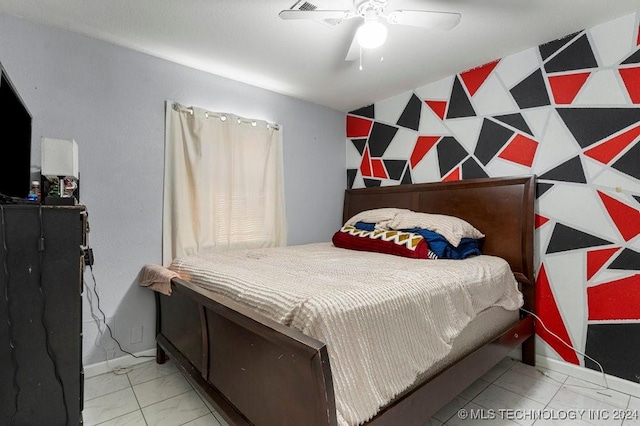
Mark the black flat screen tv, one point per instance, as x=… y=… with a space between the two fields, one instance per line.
x=15 y=142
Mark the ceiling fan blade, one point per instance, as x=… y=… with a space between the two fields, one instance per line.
x=423 y=18
x=316 y=14
x=354 y=49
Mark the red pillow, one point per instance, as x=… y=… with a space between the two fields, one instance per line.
x=405 y=244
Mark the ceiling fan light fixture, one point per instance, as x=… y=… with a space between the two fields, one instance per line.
x=371 y=34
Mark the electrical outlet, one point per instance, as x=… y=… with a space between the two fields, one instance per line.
x=136 y=334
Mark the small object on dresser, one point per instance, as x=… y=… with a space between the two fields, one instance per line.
x=34 y=192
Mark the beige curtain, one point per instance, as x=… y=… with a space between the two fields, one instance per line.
x=223 y=183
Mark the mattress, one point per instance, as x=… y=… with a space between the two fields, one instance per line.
x=386 y=319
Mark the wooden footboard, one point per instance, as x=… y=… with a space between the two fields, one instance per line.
x=271 y=374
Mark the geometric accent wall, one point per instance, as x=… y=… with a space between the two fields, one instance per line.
x=567 y=111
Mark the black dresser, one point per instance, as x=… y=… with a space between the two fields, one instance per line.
x=41 y=265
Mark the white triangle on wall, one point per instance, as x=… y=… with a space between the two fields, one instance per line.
x=492 y=98
x=401 y=145
x=612 y=179
x=537 y=119
x=613 y=41
x=567 y=276
x=557 y=145
x=500 y=167
x=358 y=182
x=430 y=123
x=515 y=68
x=438 y=90
x=428 y=169
x=466 y=131
x=579 y=207
x=389 y=110
x=602 y=88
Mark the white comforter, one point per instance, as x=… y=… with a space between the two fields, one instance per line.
x=385 y=319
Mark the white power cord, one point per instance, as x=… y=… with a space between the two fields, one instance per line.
x=604 y=377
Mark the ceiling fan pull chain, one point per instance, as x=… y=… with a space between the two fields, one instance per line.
x=360 y=48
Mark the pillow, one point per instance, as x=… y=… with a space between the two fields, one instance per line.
x=452 y=228
x=375 y=215
x=398 y=243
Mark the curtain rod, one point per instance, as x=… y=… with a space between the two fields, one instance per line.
x=223 y=117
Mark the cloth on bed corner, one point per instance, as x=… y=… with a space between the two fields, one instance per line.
x=157 y=278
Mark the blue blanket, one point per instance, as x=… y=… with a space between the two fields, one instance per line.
x=437 y=243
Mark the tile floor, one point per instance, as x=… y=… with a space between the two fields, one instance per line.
x=510 y=394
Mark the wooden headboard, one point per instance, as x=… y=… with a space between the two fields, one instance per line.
x=501 y=208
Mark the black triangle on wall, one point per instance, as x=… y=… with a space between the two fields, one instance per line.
x=615 y=345
x=531 y=92
x=406 y=179
x=565 y=238
x=515 y=120
x=395 y=168
x=569 y=171
x=590 y=125
x=576 y=56
x=459 y=104
x=637 y=197
x=351 y=177
x=471 y=169
x=380 y=138
x=370 y=183
x=359 y=144
x=366 y=111
x=492 y=138
x=552 y=47
x=627 y=260
x=633 y=59
x=410 y=117
x=450 y=153
x=541 y=188
x=629 y=163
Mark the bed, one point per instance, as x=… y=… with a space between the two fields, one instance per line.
x=255 y=370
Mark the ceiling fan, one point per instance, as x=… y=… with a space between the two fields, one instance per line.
x=373 y=31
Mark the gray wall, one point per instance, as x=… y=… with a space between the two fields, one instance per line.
x=111 y=101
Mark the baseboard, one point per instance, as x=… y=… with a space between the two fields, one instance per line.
x=593 y=376
x=112 y=364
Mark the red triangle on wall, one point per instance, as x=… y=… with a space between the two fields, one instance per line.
x=454 y=175
x=607 y=151
x=540 y=220
x=439 y=107
x=520 y=150
x=615 y=300
x=548 y=311
x=358 y=127
x=631 y=80
x=566 y=87
x=378 y=168
x=626 y=218
x=423 y=145
x=365 y=165
x=474 y=78
x=597 y=258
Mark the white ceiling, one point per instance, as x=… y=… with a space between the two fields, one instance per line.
x=246 y=40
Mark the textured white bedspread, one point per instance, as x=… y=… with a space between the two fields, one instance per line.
x=385 y=319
